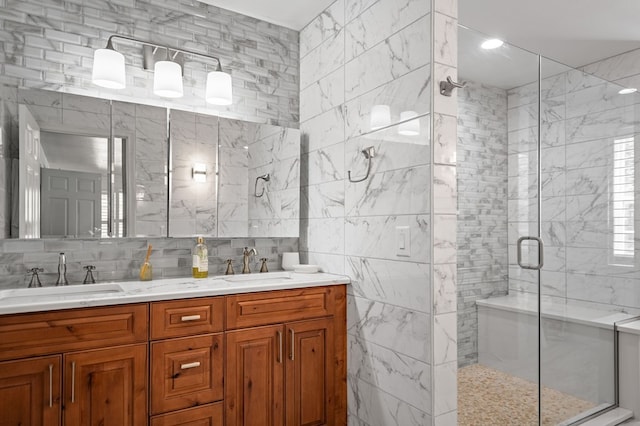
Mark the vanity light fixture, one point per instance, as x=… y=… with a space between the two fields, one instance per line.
x=492 y=43
x=409 y=127
x=627 y=91
x=199 y=172
x=109 y=71
x=380 y=116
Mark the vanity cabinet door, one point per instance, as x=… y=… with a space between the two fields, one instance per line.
x=310 y=373
x=30 y=392
x=106 y=387
x=254 y=377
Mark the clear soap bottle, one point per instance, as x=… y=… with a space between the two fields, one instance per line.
x=200 y=257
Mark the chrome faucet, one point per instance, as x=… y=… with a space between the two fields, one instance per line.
x=62 y=270
x=35 y=279
x=245 y=260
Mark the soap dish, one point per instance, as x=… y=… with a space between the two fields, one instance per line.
x=306 y=269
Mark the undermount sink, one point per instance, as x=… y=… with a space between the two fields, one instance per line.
x=265 y=277
x=43 y=294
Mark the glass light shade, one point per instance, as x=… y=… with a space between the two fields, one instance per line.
x=108 y=69
x=219 y=88
x=167 y=79
x=410 y=127
x=380 y=116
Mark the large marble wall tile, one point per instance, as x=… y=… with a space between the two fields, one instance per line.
x=445 y=285
x=323 y=200
x=393 y=327
x=601 y=125
x=445 y=338
x=324 y=165
x=615 y=67
x=596 y=99
x=316 y=235
x=376 y=236
x=404 y=191
x=593 y=153
x=332 y=263
x=397 y=283
x=618 y=291
x=323 y=130
x=327 y=24
x=380 y=21
x=403 y=377
x=445 y=43
x=445 y=382
x=370 y=406
x=399 y=54
x=322 y=60
x=322 y=95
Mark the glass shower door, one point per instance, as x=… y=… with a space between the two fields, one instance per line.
x=587 y=195
x=497 y=159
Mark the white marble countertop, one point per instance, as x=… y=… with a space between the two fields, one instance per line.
x=527 y=303
x=118 y=293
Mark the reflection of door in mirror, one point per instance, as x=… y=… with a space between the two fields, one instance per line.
x=82 y=172
x=31 y=160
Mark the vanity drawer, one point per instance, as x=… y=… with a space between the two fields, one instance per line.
x=207 y=415
x=186 y=372
x=187 y=317
x=252 y=309
x=24 y=335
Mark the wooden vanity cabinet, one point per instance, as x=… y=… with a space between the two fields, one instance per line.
x=291 y=373
x=30 y=391
x=75 y=367
x=106 y=386
x=275 y=358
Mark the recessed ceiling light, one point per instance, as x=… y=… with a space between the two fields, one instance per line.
x=627 y=91
x=492 y=43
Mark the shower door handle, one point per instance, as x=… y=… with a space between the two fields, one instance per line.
x=540 y=253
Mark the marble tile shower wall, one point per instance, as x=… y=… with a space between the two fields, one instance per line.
x=355 y=55
x=583 y=121
x=49 y=44
x=482 y=210
x=120 y=259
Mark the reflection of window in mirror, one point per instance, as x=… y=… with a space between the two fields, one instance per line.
x=623 y=202
x=80 y=174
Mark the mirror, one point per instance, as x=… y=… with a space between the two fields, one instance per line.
x=114 y=169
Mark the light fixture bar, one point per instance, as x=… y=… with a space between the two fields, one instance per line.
x=160 y=46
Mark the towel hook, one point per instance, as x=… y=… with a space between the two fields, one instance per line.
x=446 y=87
x=368 y=153
x=266 y=177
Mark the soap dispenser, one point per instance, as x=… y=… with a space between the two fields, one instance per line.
x=200 y=257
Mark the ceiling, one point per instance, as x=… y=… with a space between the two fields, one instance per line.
x=574 y=32
x=294 y=14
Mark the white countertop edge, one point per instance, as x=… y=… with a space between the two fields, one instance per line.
x=528 y=304
x=631 y=328
x=170 y=289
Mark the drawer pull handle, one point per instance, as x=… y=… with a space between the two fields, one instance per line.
x=280 y=346
x=190 y=365
x=293 y=344
x=190 y=318
x=50 y=385
x=73 y=382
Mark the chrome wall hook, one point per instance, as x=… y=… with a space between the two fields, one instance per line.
x=446 y=87
x=266 y=177
x=368 y=153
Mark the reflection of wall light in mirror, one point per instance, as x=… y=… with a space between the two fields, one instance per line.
x=409 y=127
x=492 y=43
x=140 y=192
x=380 y=116
x=199 y=172
x=627 y=91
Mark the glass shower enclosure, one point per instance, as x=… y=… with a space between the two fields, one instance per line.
x=546 y=236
